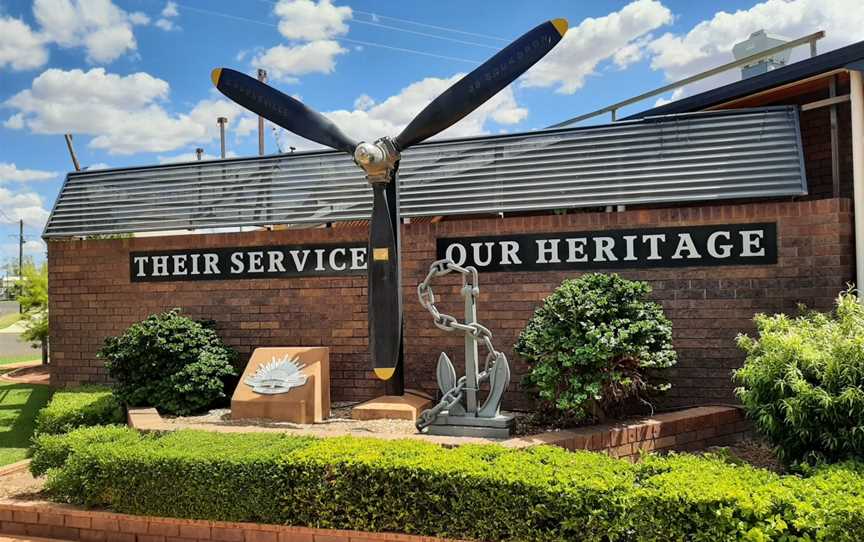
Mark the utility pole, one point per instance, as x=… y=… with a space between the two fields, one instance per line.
x=20 y=255
x=262 y=76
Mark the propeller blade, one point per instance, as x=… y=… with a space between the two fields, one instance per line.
x=385 y=301
x=281 y=109
x=474 y=89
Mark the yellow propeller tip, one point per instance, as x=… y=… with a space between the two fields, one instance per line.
x=560 y=25
x=214 y=76
x=384 y=374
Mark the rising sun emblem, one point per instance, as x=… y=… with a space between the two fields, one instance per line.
x=277 y=376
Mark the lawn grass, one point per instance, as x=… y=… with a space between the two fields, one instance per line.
x=19 y=404
x=8 y=319
x=6 y=360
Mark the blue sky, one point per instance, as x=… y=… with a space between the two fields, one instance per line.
x=130 y=78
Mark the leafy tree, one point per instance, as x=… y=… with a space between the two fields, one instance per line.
x=33 y=298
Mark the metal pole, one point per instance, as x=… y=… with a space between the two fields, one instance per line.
x=72 y=151
x=856 y=90
x=221 y=121
x=471 y=368
x=262 y=76
x=20 y=255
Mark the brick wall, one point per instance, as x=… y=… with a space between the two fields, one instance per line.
x=92 y=297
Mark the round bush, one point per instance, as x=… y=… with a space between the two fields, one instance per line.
x=169 y=361
x=590 y=343
x=802 y=383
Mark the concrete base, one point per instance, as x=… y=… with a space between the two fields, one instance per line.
x=393 y=407
x=309 y=403
x=469 y=426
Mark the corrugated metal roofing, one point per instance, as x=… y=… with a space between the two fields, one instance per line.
x=692 y=157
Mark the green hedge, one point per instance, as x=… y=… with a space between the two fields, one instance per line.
x=476 y=492
x=79 y=407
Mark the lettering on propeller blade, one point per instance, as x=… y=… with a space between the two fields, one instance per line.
x=248 y=263
x=694 y=246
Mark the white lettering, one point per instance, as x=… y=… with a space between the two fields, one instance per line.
x=333 y=259
x=358 y=258
x=140 y=260
x=478 y=258
x=237 y=265
x=160 y=266
x=547 y=254
x=211 y=264
x=725 y=250
x=751 y=240
x=576 y=253
x=603 y=249
x=631 y=249
x=179 y=264
x=685 y=242
x=463 y=254
x=299 y=264
x=508 y=253
x=319 y=257
x=654 y=241
x=275 y=259
x=256 y=262
x=195 y=258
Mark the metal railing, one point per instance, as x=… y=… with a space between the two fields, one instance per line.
x=613 y=109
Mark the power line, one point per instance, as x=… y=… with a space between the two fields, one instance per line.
x=375 y=16
x=346 y=40
x=436 y=27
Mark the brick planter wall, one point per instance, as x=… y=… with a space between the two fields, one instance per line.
x=92 y=297
x=69 y=523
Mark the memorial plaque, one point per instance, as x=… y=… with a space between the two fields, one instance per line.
x=285 y=384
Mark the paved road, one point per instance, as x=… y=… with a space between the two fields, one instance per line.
x=12 y=345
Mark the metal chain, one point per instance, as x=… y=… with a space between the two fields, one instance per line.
x=447 y=322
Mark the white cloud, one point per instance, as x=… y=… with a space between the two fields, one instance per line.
x=283 y=63
x=28 y=206
x=15 y=122
x=391 y=115
x=100 y=27
x=139 y=19
x=595 y=40
x=34 y=246
x=168 y=12
x=11 y=172
x=709 y=43
x=363 y=102
x=97 y=165
x=20 y=47
x=309 y=20
x=123 y=113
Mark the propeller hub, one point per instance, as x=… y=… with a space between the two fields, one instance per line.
x=377 y=159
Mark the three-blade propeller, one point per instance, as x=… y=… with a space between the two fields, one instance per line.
x=463 y=97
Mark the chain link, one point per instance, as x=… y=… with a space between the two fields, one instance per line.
x=447 y=322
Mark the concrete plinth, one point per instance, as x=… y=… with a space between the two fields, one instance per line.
x=393 y=407
x=309 y=403
x=468 y=426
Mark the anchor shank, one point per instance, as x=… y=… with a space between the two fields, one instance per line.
x=471 y=352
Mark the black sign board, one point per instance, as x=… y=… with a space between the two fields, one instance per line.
x=248 y=262
x=692 y=246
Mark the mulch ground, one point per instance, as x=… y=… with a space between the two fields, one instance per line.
x=28 y=373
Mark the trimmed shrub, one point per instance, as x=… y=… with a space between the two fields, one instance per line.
x=802 y=383
x=591 y=343
x=483 y=492
x=171 y=362
x=79 y=407
x=50 y=451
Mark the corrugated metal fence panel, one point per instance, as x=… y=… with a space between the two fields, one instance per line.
x=680 y=158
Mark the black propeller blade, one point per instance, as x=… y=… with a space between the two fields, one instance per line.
x=477 y=87
x=281 y=109
x=385 y=292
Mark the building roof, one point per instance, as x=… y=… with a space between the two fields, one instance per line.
x=845 y=57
